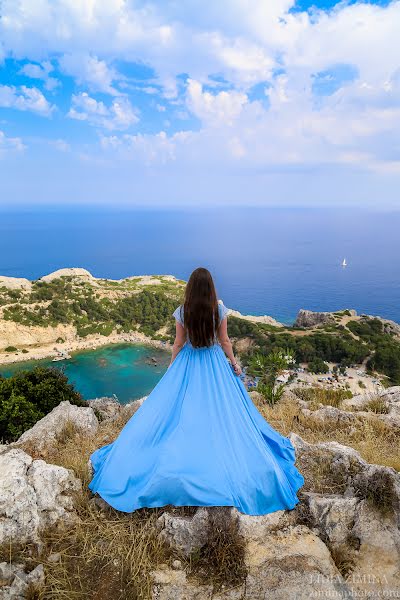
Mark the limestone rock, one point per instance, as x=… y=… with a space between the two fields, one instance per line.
x=75 y=272
x=107 y=408
x=332 y=514
x=185 y=534
x=351 y=474
x=44 y=433
x=21 y=582
x=330 y=414
x=33 y=495
x=266 y=319
x=129 y=409
x=170 y=584
x=15 y=283
x=254 y=528
x=292 y=563
x=309 y=318
x=372 y=540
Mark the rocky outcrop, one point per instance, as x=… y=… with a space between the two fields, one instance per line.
x=111 y=409
x=308 y=318
x=390 y=327
x=15 y=283
x=185 y=534
x=343 y=468
x=33 y=495
x=331 y=416
x=43 y=435
x=16 y=583
x=267 y=320
x=357 y=533
x=105 y=408
x=19 y=335
x=75 y=272
x=339 y=544
x=360 y=519
x=389 y=399
x=282 y=560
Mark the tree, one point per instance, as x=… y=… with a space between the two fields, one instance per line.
x=318 y=366
x=268 y=368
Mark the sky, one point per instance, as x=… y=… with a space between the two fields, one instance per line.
x=250 y=102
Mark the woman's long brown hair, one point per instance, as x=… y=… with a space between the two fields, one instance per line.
x=201 y=316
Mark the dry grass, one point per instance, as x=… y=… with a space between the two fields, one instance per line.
x=377 y=442
x=328 y=397
x=344 y=557
x=108 y=554
x=221 y=561
x=377 y=405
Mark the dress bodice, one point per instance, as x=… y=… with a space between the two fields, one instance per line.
x=179 y=316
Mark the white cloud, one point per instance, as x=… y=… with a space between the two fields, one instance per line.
x=228 y=47
x=25 y=98
x=36 y=71
x=89 y=70
x=223 y=107
x=9 y=144
x=60 y=145
x=119 y=115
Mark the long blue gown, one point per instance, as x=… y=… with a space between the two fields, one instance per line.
x=198 y=440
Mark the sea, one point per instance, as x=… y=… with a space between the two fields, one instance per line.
x=265 y=261
x=270 y=261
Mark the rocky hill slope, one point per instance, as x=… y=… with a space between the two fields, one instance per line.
x=70 y=310
x=342 y=540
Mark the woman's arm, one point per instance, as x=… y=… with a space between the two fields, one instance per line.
x=227 y=345
x=180 y=339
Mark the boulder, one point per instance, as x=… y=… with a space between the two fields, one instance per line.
x=184 y=534
x=107 y=408
x=309 y=318
x=171 y=584
x=33 y=495
x=44 y=433
x=361 y=518
x=292 y=563
x=257 y=528
x=330 y=415
x=20 y=582
x=345 y=469
x=129 y=409
x=360 y=534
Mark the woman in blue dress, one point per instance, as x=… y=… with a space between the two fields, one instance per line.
x=198 y=439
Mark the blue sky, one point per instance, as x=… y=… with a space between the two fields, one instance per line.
x=235 y=102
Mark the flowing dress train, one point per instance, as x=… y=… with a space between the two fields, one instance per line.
x=198 y=440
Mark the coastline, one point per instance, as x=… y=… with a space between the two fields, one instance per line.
x=91 y=342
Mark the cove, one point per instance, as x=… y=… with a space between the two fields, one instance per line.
x=126 y=370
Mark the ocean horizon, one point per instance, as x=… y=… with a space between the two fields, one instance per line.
x=267 y=260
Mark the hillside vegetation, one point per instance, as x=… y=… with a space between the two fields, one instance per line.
x=145 y=304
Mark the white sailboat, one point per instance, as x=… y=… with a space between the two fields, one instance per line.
x=344 y=263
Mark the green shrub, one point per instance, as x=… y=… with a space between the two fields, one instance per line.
x=28 y=396
x=317 y=365
x=11 y=349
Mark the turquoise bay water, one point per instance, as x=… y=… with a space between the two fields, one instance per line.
x=125 y=370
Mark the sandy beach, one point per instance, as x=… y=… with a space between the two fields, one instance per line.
x=91 y=342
